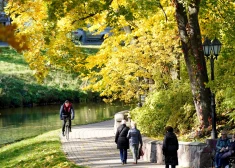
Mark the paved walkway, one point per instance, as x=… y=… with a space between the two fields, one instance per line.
x=93 y=145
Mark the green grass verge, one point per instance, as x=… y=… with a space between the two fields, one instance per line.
x=43 y=151
x=18 y=86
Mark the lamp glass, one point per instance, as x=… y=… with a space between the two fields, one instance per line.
x=207 y=50
x=216 y=44
x=207 y=47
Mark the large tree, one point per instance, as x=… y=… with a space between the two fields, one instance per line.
x=190 y=35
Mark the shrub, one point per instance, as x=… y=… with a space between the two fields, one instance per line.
x=166 y=107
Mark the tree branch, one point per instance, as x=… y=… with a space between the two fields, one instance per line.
x=93 y=14
x=160 y=5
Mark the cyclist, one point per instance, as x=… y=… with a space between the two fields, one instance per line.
x=66 y=111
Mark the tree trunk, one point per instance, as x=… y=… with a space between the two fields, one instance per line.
x=189 y=32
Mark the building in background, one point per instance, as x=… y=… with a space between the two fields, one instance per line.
x=4 y=19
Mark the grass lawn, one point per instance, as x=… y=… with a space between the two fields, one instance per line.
x=43 y=151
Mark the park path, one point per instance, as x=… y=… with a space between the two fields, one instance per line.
x=93 y=145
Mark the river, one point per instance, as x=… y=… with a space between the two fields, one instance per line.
x=20 y=123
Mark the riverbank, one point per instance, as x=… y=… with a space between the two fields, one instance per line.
x=41 y=151
x=19 y=87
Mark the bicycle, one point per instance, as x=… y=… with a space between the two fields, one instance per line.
x=67 y=128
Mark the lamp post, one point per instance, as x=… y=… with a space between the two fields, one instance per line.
x=211 y=51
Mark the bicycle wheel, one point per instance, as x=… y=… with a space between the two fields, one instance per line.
x=67 y=132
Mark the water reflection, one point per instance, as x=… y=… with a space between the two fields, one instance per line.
x=19 y=123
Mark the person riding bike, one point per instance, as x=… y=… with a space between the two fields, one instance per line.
x=66 y=111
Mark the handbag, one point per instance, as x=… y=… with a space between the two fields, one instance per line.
x=141 y=153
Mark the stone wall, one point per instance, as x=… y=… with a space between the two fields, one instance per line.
x=190 y=154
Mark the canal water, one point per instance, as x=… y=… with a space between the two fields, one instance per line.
x=20 y=123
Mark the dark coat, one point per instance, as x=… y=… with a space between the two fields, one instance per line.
x=120 y=137
x=170 y=147
x=222 y=143
x=64 y=113
x=230 y=152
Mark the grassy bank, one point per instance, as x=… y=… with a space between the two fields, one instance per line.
x=18 y=86
x=43 y=151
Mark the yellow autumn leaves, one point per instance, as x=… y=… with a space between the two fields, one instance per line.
x=150 y=49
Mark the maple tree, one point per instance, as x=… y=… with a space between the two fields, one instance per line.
x=146 y=41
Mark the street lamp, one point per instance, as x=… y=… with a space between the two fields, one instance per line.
x=211 y=50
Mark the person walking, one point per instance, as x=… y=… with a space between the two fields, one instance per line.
x=66 y=111
x=135 y=140
x=170 y=147
x=122 y=141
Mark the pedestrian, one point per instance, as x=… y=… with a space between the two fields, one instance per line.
x=222 y=146
x=122 y=141
x=170 y=147
x=135 y=140
x=66 y=111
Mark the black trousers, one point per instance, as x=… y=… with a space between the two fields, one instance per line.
x=64 y=122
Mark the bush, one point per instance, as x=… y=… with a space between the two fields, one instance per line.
x=166 y=107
